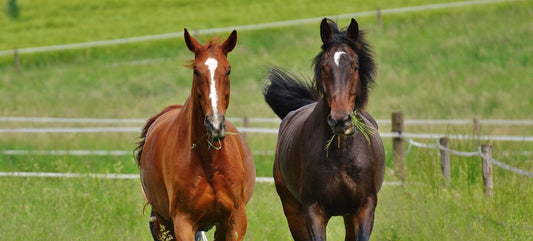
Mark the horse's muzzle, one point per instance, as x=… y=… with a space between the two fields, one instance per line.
x=216 y=127
x=341 y=126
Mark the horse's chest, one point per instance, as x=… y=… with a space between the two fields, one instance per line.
x=214 y=194
x=338 y=186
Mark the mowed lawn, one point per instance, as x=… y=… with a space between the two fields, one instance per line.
x=440 y=64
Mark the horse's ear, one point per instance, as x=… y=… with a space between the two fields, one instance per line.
x=192 y=44
x=353 y=30
x=325 y=31
x=230 y=43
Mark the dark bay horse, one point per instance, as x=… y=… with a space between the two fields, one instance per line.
x=325 y=165
x=196 y=169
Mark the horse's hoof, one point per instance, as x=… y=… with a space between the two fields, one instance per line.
x=200 y=236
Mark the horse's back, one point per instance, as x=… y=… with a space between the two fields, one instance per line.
x=156 y=132
x=290 y=126
x=149 y=126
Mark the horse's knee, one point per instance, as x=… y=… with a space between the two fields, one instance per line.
x=159 y=228
x=183 y=228
x=152 y=230
x=153 y=224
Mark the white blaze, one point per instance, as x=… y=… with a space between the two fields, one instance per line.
x=337 y=56
x=212 y=66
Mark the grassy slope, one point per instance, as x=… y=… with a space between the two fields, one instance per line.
x=58 y=22
x=454 y=70
x=479 y=68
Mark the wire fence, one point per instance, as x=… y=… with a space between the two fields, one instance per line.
x=261 y=130
x=21 y=119
x=395 y=134
x=477 y=153
x=247 y=27
x=121 y=176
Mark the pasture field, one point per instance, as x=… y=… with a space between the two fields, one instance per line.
x=60 y=22
x=439 y=64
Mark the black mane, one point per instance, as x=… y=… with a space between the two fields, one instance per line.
x=367 y=66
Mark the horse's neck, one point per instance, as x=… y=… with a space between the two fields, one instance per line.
x=190 y=121
x=319 y=117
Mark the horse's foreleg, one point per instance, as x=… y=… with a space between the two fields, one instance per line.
x=294 y=213
x=351 y=225
x=234 y=228
x=183 y=229
x=159 y=227
x=359 y=225
x=316 y=222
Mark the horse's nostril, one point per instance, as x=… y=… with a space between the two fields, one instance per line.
x=207 y=123
x=331 y=120
x=347 y=121
x=346 y=118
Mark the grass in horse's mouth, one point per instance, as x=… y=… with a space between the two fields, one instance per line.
x=361 y=126
x=211 y=142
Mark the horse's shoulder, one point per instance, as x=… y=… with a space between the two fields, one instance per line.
x=369 y=118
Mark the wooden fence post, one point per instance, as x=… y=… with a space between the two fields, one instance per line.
x=486 y=167
x=378 y=13
x=16 y=57
x=445 y=162
x=398 y=145
x=477 y=130
x=245 y=123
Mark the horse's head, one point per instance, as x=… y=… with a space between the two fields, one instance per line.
x=343 y=71
x=211 y=82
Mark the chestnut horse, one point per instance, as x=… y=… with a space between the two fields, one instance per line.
x=326 y=164
x=196 y=169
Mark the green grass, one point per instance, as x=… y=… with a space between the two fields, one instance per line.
x=431 y=65
x=60 y=22
x=449 y=64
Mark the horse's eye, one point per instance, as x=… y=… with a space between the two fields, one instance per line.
x=196 y=73
x=356 y=68
x=229 y=72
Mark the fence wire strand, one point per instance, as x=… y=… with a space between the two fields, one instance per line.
x=478 y=153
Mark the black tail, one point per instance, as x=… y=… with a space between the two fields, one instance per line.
x=286 y=93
